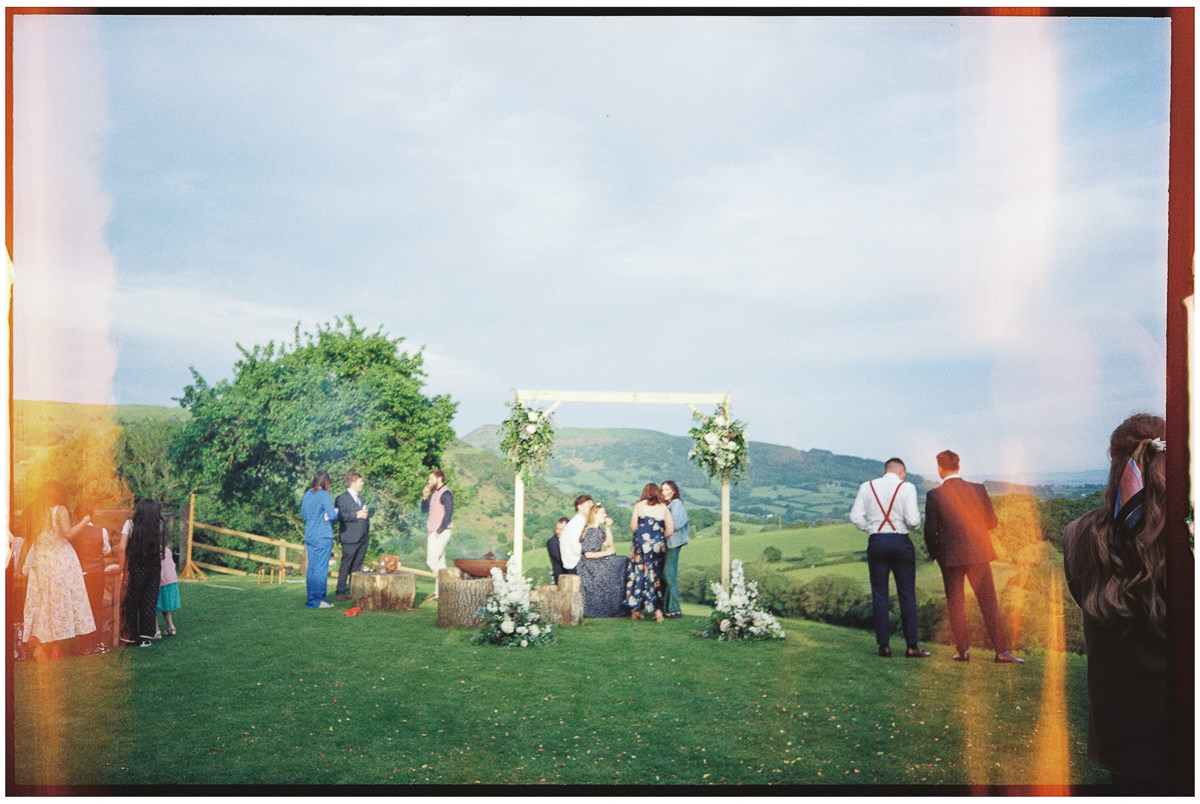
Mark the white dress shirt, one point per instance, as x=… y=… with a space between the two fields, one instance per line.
x=568 y=543
x=868 y=516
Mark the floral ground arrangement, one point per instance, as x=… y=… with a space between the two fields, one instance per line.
x=509 y=619
x=737 y=614
x=257 y=690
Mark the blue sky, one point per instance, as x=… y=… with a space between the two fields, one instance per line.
x=888 y=235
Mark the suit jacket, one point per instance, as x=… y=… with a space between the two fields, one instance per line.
x=958 y=518
x=351 y=529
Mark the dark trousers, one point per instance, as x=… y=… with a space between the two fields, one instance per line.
x=555 y=551
x=980 y=576
x=93 y=582
x=140 y=612
x=353 y=554
x=894 y=553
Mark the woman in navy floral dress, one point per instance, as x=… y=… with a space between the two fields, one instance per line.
x=601 y=571
x=651 y=525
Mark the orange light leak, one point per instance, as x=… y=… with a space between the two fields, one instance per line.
x=1053 y=764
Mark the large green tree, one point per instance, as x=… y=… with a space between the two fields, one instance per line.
x=339 y=399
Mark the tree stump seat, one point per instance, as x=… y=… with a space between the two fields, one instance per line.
x=459 y=597
x=383 y=591
x=561 y=603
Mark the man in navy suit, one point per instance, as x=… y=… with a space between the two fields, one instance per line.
x=354 y=530
x=552 y=547
x=958 y=518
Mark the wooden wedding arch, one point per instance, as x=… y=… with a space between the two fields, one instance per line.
x=558 y=397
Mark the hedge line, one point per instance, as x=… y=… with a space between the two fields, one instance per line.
x=1035 y=604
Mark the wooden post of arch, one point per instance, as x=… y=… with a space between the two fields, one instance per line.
x=558 y=397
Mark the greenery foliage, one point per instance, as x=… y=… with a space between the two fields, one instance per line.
x=528 y=438
x=143 y=453
x=719 y=445
x=339 y=399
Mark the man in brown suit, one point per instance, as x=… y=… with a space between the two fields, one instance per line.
x=958 y=517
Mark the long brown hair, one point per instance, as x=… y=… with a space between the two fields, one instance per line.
x=651 y=494
x=320 y=481
x=1127 y=582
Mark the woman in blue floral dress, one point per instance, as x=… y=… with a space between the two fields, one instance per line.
x=651 y=525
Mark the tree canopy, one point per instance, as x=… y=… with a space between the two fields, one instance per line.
x=339 y=399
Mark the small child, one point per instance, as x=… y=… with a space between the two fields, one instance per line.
x=168 y=593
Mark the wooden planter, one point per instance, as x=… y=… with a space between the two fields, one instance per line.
x=459 y=597
x=383 y=591
x=562 y=604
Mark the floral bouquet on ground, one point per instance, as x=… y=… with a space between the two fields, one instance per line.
x=509 y=619
x=737 y=615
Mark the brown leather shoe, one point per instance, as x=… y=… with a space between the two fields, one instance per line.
x=342 y=598
x=885 y=651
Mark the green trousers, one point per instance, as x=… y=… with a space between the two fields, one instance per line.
x=671 y=580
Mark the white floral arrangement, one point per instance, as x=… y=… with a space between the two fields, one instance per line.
x=508 y=616
x=719 y=445
x=736 y=615
x=527 y=438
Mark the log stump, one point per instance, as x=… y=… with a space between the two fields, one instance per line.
x=383 y=591
x=459 y=597
x=562 y=604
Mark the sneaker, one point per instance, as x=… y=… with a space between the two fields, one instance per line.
x=324 y=604
x=1008 y=658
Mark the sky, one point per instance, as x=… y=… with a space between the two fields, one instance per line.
x=880 y=236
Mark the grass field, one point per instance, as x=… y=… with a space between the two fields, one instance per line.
x=257 y=690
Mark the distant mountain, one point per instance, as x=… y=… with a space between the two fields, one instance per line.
x=614 y=464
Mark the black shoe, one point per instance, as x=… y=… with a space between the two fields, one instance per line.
x=341 y=598
x=916 y=653
x=885 y=651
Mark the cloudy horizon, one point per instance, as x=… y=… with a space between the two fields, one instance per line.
x=880 y=236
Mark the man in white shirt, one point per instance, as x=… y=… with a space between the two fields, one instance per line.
x=886 y=509
x=568 y=543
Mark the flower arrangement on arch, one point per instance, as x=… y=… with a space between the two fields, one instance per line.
x=719 y=445
x=736 y=616
x=509 y=618
x=527 y=438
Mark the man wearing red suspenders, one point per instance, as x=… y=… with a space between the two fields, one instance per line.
x=886 y=509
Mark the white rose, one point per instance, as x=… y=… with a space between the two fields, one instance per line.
x=533 y=415
x=719 y=421
x=710 y=438
x=531 y=428
x=522 y=629
x=534 y=630
x=507 y=626
x=738 y=600
x=724 y=625
x=524 y=643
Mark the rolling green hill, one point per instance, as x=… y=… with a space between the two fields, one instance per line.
x=614 y=464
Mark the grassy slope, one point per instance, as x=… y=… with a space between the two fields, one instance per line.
x=257 y=689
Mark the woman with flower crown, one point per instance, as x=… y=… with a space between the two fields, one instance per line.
x=1114 y=559
x=601 y=571
x=651 y=524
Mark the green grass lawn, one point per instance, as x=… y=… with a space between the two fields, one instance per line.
x=256 y=689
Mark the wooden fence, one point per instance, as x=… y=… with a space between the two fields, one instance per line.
x=193 y=569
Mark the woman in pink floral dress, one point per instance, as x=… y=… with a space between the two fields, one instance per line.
x=56 y=603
